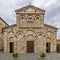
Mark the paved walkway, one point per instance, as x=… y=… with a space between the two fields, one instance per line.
x=29 y=56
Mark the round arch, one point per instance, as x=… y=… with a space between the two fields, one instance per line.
x=48 y=39
x=30 y=32
x=10 y=34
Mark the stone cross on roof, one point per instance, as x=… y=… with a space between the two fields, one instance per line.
x=30 y=3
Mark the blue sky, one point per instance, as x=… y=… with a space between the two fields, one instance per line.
x=52 y=7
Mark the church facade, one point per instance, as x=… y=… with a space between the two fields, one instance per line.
x=30 y=34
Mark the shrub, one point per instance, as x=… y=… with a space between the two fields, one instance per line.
x=15 y=55
x=58 y=48
x=43 y=55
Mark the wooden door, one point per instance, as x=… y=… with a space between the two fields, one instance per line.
x=30 y=46
x=48 y=47
x=11 y=47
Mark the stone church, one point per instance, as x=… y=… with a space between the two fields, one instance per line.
x=29 y=34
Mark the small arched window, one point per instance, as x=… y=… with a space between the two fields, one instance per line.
x=30 y=19
x=22 y=17
x=37 y=17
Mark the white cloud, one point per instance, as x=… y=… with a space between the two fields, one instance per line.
x=52 y=7
x=49 y=2
x=38 y=2
x=8 y=7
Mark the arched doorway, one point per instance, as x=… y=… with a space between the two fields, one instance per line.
x=11 y=47
x=30 y=43
x=48 y=45
x=1 y=44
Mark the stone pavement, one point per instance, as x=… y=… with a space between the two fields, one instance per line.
x=29 y=56
x=53 y=56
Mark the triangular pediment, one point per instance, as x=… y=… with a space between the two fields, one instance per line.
x=30 y=8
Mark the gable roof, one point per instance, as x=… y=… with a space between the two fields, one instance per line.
x=3 y=21
x=58 y=39
x=50 y=26
x=29 y=6
x=10 y=26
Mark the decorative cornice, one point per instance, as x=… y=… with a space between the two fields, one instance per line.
x=31 y=27
x=29 y=13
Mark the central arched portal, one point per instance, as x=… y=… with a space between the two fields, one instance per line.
x=30 y=40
